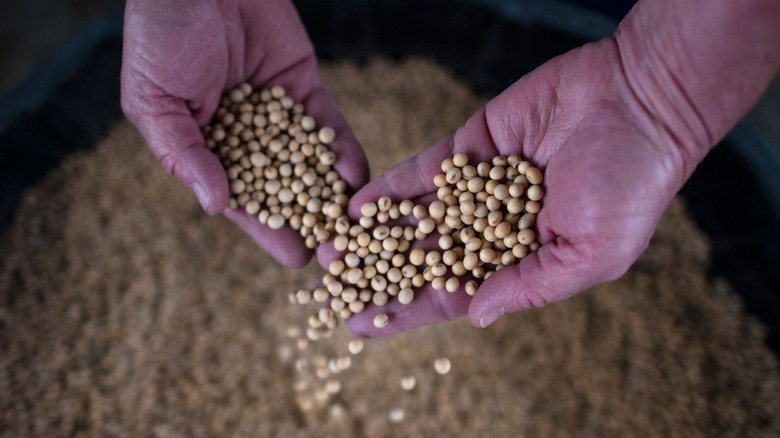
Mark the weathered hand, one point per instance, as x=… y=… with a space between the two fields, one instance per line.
x=618 y=125
x=181 y=55
x=610 y=173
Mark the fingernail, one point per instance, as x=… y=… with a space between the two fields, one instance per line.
x=491 y=317
x=202 y=195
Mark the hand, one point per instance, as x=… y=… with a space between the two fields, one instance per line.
x=618 y=125
x=181 y=56
x=610 y=172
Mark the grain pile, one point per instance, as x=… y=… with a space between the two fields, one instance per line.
x=125 y=311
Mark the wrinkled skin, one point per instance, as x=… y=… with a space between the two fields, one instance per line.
x=181 y=56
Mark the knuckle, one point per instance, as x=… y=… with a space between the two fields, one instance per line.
x=170 y=163
x=531 y=299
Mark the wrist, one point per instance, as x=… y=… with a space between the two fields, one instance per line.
x=697 y=66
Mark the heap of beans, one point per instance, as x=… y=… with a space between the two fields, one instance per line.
x=278 y=163
x=280 y=169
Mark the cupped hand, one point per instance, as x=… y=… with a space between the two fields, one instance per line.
x=611 y=169
x=180 y=56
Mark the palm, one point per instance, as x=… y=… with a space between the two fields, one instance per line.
x=608 y=179
x=178 y=61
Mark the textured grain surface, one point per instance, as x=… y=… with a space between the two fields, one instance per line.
x=125 y=311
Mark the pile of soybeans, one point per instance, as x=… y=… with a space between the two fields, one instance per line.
x=126 y=311
x=280 y=170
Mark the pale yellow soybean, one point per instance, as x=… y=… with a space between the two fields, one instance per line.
x=483 y=169
x=469 y=171
x=439 y=269
x=405 y=207
x=437 y=210
x=489 y=233
x=453 y=175
x=487 y=255
x=275 y=221
x=380 y=298
x=526 y=236
x=408 y=383
x=474 y=244
x=497 y=173
x=354 y=275
x=426 y=226
x=340 y=242
x=355 y=346
x=375 y=246
x=369 y=209
x=379 y=283
x=476 y=184
x=405 y=296
x=452 y=284
x=440 y=180
x=237 y=186
x=467 y=208
x=394 y=275
x=303 y=296
x=534 y=175
x=420 y=212
x=535 y=193
x=349 y=295
x=352 y=260
x=449 y=257
x=357 y=306
x=515 y=206
x=336 y=267
x=503 y=229
x=252 y=207
x=326 y=135
x=384 y=203
x=390 y=244
x=381 y=320
x=366 y=222
x=471 y=287
x=519 y=251
x=335 y=288
x=337 y=304
x=382 y=266
x=442 y=365
x=494 y=218
x=447 y=164
x=460 y=160
x=526 y=221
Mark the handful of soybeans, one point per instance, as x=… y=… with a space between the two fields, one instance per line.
x=280 y=169
x=278 y=163
x=480 y=222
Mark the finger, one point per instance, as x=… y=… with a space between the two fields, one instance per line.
x=285 y=244
x=429 y=307
x=176 y=140
x=558 y=270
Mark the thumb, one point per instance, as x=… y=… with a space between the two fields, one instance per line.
x=558 y=270
x=177 y=142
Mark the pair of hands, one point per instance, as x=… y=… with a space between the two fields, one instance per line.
x=612 y=164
